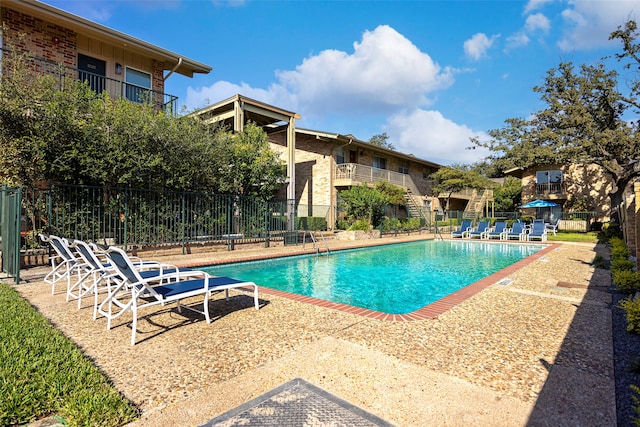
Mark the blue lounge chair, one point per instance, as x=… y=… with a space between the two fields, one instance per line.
x=480 y=231
x=464 y=229
x=517 y=231
x=135 y=292
x=538 y=231
x=499 y=231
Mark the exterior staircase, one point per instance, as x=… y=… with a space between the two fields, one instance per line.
x=475 y=206
x=415 y=208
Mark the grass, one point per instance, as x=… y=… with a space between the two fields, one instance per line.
x=42 y=373
x=563 y=236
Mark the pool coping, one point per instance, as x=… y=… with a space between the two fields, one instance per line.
x=429 y=311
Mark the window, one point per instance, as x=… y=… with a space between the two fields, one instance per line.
x=138 y=84
x=403 y=167
x=549 y=177
x=549 y=182
x=340 y=156
x=379 y=163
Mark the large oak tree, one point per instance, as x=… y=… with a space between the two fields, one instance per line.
x=586 y=121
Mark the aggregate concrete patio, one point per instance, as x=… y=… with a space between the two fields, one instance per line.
x=537 y=351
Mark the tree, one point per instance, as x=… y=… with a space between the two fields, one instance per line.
x=582 y=124
x=63 y=132
x=382 y=140
x=456 y=178
x=249 y=167
x=507 y=197
x=363 y=203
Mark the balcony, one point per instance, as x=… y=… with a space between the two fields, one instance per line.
x=348 y=174
x=115 y=88
x=551 y=190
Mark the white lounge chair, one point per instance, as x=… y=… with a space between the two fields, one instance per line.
x=62 y=263
x=463 y=231
x=480 y=231
x=136 y=292
x=517 y=231
x=93 y=272
x=537 y=232
x=499 y=231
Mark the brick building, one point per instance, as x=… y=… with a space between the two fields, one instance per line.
x=62 y=43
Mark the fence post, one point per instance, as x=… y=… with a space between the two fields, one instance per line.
x=182 y=227
x=267 y=224
x=126 y=214
x=49 y=210
x=229 y=222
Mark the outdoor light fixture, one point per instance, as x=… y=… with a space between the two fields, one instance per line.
x=118 y=68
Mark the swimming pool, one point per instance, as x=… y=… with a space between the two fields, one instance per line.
x=394 y=279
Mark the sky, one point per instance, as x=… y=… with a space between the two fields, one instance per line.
x=429 y=74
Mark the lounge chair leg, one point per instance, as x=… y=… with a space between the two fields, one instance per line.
x=134 y=311
x=255 y=297
x=205 y=307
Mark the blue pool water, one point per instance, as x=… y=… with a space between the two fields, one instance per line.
x=395 y=279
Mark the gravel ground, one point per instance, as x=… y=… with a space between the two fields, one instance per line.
x=626 y=358
x=538 y=351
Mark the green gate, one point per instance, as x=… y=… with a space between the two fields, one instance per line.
x=10 y=207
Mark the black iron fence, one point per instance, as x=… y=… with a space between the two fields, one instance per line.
x=129 y=217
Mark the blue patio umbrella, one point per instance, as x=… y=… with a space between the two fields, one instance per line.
x=538 y=204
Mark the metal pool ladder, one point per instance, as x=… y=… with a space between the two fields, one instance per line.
x=315 y=242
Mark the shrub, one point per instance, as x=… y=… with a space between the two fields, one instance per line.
x=599 y=262
x=636 y=404
x=360 y=225
x=620 y=264
x=528 y=219
x=314 y=223
x=342 y=224
x=619 y=248
x=632 y=310
x=610 y=230
x=627 y=281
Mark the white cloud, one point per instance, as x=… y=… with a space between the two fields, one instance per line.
x=535 y=5
x=477 y=46
x=517 y=40
x=537 y=22
x=385 y=72
x=589 y=23
x=431 y=136
x=221 y=90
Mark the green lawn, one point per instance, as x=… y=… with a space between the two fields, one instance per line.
x=42 y=373
x=563 y=236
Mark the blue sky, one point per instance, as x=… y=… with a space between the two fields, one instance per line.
x=431 y=74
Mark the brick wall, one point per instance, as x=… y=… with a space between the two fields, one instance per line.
x=314 y=166
x=39 y=38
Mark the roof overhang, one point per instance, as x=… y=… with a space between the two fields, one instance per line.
x=261 y=114
x=352 y=140
x=170 y=60
x=516 y=172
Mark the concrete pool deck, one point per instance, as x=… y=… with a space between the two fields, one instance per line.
x=537 y=351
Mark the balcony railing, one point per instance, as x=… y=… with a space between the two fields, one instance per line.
x=99 y=83
x=356 y=173
x=550 y=188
